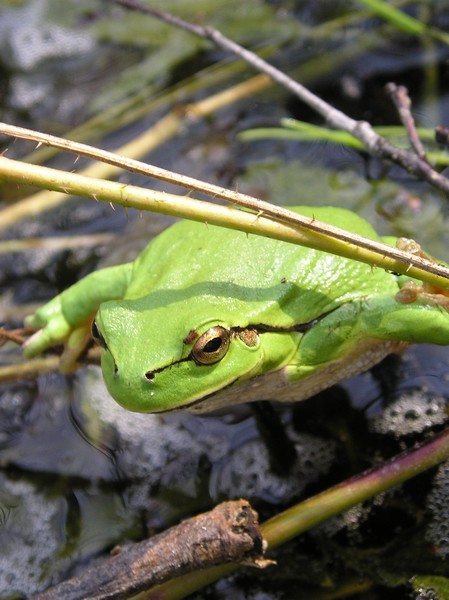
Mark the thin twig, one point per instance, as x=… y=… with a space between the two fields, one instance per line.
x=362 y=130
x=12 y=335
x=401 y=99
x=139 y=167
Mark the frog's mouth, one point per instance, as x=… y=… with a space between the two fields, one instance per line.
x=207 y=403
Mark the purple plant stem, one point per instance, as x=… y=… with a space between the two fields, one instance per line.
x=347 y=494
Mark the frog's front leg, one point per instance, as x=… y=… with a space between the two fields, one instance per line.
x=67 y=318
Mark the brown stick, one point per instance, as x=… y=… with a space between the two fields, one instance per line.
x=401 y=99
x=227 y=534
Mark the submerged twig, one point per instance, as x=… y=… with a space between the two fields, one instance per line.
x=55 y=243
x=165 y=128
x=29 y=369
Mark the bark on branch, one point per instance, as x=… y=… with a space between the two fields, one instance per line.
x=227 y=534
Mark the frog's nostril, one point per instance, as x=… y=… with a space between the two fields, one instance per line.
x=116 y=373
x=150 y=376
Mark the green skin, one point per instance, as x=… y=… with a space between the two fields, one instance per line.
x=291 y=320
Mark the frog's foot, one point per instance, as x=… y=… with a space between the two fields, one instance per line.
x=53 y=329
x=412 y=247
x=75 y=342
x=51 y=325
x=411 y=292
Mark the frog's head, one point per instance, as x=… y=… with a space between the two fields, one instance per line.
x=173 y=356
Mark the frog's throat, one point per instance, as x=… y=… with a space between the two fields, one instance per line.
x=276 y=386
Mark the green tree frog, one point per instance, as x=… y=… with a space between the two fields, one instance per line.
x=207 y=317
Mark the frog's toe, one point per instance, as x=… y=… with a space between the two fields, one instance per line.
x=36 y=344
x=34 y=321
x=53 y=332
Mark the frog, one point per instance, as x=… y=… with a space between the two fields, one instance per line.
x=207 y=317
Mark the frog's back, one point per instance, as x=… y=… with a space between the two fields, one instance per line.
x=210 y=260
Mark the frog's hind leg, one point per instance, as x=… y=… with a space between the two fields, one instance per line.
x=281 y=449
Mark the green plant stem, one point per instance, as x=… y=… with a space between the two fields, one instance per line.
x=395 y=17
x=299 y=131
x=403 y=22
x=295 y=228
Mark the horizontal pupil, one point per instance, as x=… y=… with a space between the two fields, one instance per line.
x=212 y=345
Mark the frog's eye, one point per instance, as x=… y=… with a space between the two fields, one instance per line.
x=210 y=347
x=97 y=335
